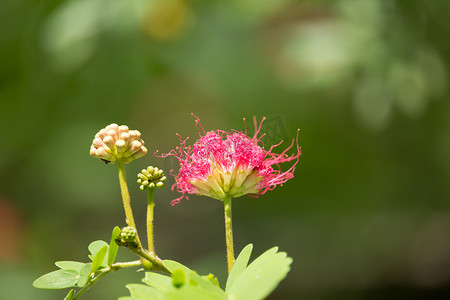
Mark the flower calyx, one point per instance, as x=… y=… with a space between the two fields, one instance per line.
x=150 y=178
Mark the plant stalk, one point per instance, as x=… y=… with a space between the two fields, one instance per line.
x=126 y=196
x=150 y=209
x=103 y=272
x=157 y=263
x=229 y=233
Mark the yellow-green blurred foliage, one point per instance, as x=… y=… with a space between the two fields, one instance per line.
x=367 y=215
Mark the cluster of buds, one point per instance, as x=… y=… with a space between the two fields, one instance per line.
x=127 y=237
x=151 y=177
x=118 y=142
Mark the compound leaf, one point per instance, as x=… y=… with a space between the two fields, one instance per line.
x=59 y=279
x=239 y=265
x=261 y=277
x=113 y=247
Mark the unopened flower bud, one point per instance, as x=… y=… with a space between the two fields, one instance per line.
x=109 y=141
x=151 y=177
x=98 y=142
x=128 y=234
x=127 y=237
x=120 y=146
x=118 y=142
x=135 y=146
x=142 y=151
x=134 y=134
x=125 y=136
x=123 y=128
x=145 y=173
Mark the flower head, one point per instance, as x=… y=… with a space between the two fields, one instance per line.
x=151 y=177
x=229 y=164
x=118 y=142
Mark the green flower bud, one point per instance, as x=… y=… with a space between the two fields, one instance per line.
x=127 y=237
x=128 y=234
x=150 y=178
x=146 y=173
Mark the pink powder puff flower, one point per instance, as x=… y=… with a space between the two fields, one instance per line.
x=222 y=164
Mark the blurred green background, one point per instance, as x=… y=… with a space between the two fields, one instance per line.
x=367 y=215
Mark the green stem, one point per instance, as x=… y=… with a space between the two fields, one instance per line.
x=150 y=208
x=125 y=195
x=157 y=263
x=103 y=272
x=229 y=233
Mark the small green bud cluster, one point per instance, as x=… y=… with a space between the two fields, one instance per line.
x=118 y=142
x=128 y=234
x=151 y=177
x=127 y=237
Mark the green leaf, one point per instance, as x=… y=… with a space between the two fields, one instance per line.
x=212 y=278
x=84 y=277
x=113 y=247
x=99 y=258
x=261 y=277
x=69 y=295
x=195 y=287
x=94 y=247
x=190 y=292
x=141 y=291
x=172 y=265
x=206 y=286
x=70 y=265
x=59 y=279
x=158 y=281
x=178 y=278
x=239 y=265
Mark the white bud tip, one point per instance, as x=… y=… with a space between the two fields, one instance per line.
x=113 y=134
x=125 y=136
x=120 y=143
x=97 y=142
x=112 y=126
x=134 y=134
x=108 y=141
x=123 y=128
x=135 y=146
